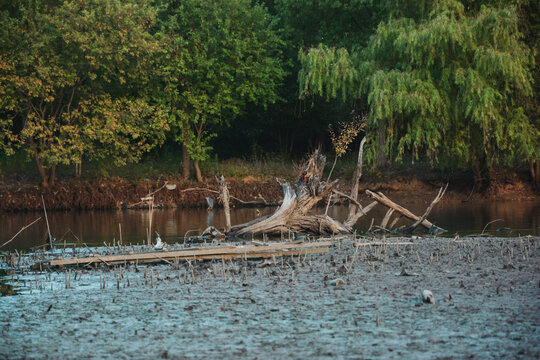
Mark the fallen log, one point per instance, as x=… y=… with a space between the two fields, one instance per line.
x=439 y=196
x=295 y=213
x=381 y=198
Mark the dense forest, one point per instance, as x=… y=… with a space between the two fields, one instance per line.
x=452 y=84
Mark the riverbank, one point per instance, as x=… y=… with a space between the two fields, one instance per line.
x=486 y=294
x=247 y=190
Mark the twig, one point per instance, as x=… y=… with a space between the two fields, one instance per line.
x=337 y=192
x=328 y=204
x=332 y=169
x=381 y=198
x=21 y=230
x=489 y=223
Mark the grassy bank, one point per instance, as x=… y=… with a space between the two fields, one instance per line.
x=419 y=179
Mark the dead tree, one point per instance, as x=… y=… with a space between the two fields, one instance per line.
x=299 y=198
x=297 y=212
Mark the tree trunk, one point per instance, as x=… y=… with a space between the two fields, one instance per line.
x=197 y=171
x=41 y=170
x=185 y=162
x=52 y=175
x=535 y=172
x=294 y=214
x=78 y=169
x=482 y=173
x=381 y=157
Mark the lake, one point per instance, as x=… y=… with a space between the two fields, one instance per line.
x=514 y=218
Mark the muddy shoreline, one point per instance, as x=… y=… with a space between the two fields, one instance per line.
x=118 y=193
x=487 y=295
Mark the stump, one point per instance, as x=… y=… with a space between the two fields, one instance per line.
x=295 y=213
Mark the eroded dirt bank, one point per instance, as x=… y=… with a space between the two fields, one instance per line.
x=115 y=193
x=486 y=292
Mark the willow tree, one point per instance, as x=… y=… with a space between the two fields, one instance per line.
x=443 y=81
x=219 y=56
x=72 y=80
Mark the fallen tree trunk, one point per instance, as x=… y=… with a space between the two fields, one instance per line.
x=294 y=214
x=300 y=198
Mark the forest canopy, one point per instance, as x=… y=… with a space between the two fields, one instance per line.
x=449 y=83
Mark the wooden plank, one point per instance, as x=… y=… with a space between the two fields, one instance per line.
x=261 y=254
x=186 y=254
x=249 y=255
x=379 y=243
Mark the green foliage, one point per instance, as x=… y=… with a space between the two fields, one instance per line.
x=219 y=56
x=453 y=83
x=57 y=58
x=346 y=134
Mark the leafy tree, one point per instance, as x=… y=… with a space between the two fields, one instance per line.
x=72 y=81
x=300 y=125
x=442 y=79
x=219 y=56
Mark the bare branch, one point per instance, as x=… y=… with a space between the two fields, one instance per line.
x=20 y=231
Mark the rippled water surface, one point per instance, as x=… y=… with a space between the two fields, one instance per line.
x=513 y=218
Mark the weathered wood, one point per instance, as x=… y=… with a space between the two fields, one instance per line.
x=47 y=221
x=381 y=198
x=428 y=210
x=295 y=213
x=249 y=251
x=224 y=197
x=361 y=212
x=386 y=218
x=20 y=231
x=356 y=178
x=381 y=243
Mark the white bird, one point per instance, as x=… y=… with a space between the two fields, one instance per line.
x=159 y=244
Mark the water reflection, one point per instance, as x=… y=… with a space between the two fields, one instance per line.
x=95 y=227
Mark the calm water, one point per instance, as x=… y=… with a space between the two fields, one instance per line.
x=95 y=227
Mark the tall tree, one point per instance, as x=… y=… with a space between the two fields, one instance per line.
x=72 y=80
x=444 y=81
x=300 y=125
x=219 y=56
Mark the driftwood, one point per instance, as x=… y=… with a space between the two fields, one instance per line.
x=203 y=253
x=297 y=212
x=21 y=230
x=224 y=197
x=381 y=198
x=356 y=178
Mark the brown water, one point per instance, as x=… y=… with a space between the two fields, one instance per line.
x=95 y=227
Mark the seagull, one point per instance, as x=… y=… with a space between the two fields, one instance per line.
x=160 y=245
